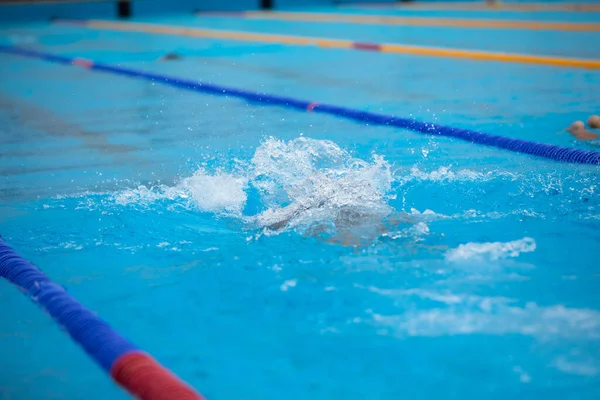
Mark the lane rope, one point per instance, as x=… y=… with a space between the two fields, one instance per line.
x=394 y=48
x=407 y=21
x=131 y=368
x=548 y=151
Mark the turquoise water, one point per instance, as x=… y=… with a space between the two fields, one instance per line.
x=408 y=266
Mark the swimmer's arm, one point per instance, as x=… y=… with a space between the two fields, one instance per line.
x=289 y=212
x=402 y=218
x=279 y=224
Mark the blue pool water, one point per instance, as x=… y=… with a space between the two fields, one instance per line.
x=410 y=266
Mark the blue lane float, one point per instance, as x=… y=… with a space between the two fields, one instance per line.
x=134 y=370
x=548 y=151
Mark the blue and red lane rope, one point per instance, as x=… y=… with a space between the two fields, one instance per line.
x=131 y=368
x=548 y=151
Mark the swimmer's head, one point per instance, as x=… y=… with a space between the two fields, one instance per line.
x=171 y=56
x=576 y=126
x=594 y=122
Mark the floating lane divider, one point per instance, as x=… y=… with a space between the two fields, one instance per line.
x=408 y=21
x=132 y=369
x=335 y=43
x=552 y=152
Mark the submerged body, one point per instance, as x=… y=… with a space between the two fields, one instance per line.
x=345 y=225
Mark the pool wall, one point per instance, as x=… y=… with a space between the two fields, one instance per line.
x=12 y=12
x=20 y=13
x=25 y=11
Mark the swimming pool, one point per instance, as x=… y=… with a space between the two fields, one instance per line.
x=416 y=266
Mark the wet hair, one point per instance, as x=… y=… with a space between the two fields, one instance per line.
x=594 y=122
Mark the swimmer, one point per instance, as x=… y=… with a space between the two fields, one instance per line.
x=578 y=129
x=345 y=209
x=171 y=56
x=347 y=225
x=283 y=216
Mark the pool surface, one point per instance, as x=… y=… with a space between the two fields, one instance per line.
x=262 y=252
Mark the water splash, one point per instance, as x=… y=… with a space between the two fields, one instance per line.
x=303 y=184
x=444 y=313
x=491 y=251
x=317 y=188
x=546 y=323
x=220 y=192
x=447 y=174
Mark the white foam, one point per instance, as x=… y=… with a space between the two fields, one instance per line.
x=582 y=368
x=458 y=314
x=210 y=249
x=278 y=165
x=71 y=245
x=500 y=319
x=446 y=174
x=447 y=298
x=218 y=193
x=288 y=284
x=429 y=215
x=144 y=195
x=491 y=250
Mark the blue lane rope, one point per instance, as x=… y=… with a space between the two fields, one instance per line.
x=549 y=151
x=134 y=370
x=97 y=338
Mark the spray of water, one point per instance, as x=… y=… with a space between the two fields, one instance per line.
x=311 y=186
